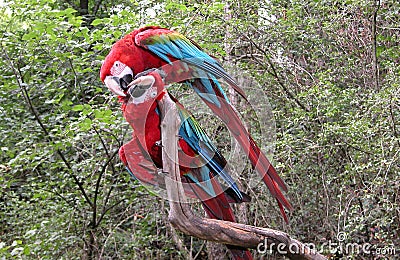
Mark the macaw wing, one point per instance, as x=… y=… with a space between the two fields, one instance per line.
x=196 y=138
x=171 y=46
x=138 y=164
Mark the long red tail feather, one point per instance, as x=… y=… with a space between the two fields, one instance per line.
x=270 y=177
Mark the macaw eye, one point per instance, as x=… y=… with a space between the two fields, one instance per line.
x=117 y=68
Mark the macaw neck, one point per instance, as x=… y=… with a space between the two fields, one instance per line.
x=146 y=123
x=137 y=114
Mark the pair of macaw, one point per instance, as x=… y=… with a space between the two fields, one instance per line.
x=137 y=69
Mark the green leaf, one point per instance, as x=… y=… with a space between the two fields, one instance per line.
x=77 y=108
x=30 y=36
x=26 y=251
x=97 y=22
x=86 y=124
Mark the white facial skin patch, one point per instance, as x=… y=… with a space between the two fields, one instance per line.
x=150 y=94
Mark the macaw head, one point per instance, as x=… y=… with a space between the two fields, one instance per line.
x=117 y=71
x=141 y=97
x=124 y=62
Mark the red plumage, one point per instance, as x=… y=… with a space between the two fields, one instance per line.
x=128 y=52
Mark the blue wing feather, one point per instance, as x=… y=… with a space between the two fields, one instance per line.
x=197 y=139
x=176 y=46
x=205 y=182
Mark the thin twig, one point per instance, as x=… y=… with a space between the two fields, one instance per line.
x=274 y=73
x=103 y=170
x=96 y=7
x=374 y=50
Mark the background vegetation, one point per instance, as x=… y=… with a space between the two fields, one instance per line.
x=330 y=69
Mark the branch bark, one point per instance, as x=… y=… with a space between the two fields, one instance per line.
x=375 y=65
x=225 y=232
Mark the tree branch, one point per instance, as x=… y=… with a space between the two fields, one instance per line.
x=182 y=217
x=103 y=170
x=71 y=3
x=375 y=65
x=96 y=7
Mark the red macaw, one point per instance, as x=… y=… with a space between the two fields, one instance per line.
x=184 y=61
x=200 y=162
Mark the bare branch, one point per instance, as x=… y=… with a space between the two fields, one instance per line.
x=274 y=73
x=375 y=65
x=96 y=7
x=72 y=4
x=110 y=157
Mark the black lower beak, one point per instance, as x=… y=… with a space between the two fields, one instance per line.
x=125 y=80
